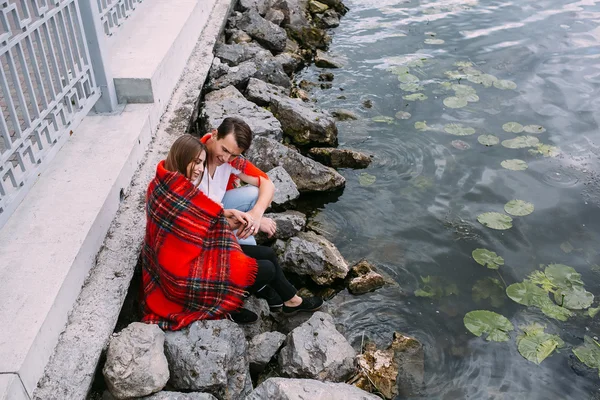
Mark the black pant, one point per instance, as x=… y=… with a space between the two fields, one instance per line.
x=269 y=272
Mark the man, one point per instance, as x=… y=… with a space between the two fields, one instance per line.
x=225 y=165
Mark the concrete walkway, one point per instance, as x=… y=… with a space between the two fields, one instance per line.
x=52 y=241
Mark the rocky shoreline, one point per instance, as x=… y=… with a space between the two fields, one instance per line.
x=279 y=357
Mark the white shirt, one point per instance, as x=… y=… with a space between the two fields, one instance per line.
x=216 y=186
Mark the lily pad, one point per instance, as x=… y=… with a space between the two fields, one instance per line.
x=366 y=179
x=421 y=126
x=434 y=41
x=518 y=208
x=383 y=119
x=483 y=321
x=463 y=64
x=455 y=102
x=527 y=293
x=458 y=129
x=415 y=97
x=521 y=142
x=487 y=258
x=488 y=140
x=486 y=80
x=505 y=84
x=399 y=70
x=403 y=115
x=534 y=129
x=553 y=311
x=455 y=75
x=460 y=145
x=408 y=78
x=563 y=276
x=589 y=353
x=495 y=220
x=574 y=298
x=472 y=98
x=514 y=165
x=411 y=87
x=593 y=311
x=546 y=150
x=463 y=90
x=435 y=287
x=489 y=288
x=535 y=345
x=513 y=127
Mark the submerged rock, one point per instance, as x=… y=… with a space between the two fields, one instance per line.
x=262 y=348
x=308 y=175
x=340 y=158
x=304 y=125
x=209 y=356
x=342 y=114
x=326 y=77
x=396 y=371
x=316 y=350
x=363 y=278
x=295 y=389
x=135 y=361
x=229 y=102
x=324 y=60
x=311 y=254
x=268 y=34
x=285 y=188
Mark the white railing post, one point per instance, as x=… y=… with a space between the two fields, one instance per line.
x=96 y=41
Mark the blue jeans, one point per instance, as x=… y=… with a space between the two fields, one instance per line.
x=243 y=199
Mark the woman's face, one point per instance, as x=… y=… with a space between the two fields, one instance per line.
x=196 y=166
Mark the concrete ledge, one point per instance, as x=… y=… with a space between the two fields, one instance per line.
x=11 y=387
x=150 y=51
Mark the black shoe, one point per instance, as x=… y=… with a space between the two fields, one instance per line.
x=272 y=297
x=243 y=316
x=308 y=304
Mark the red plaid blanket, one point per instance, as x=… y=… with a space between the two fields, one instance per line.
x=192 y=266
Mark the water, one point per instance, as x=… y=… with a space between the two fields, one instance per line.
x=419 y=217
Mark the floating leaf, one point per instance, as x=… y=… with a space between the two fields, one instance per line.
x=495 y=325
x=486 y=80
x=403 y=115
x=574 y=298
x=472 y=98
x=566 y=247
x=434 y=41
x=455 y=75
x=460 y=145
x=535 y=345
x=399 y=70
x=488 y=140
x=553 y=311
x=593 y=311
x=589 y=353
x=527 y=293
x=411 y=87
x=408 y=78
x=518 y=208
x=489 y=288
x=421 y=126
x=546 y=150
x=458 y=129
x=495 y=220
x=540 y=278
x=446 y=85
x=366 y=179
x=430 y=34
x=415 y=97
x=463 y=90
x=513 y=127
x=455 y=102
x=563 y=276
x=505 y=84
x=514 y=165
x=534 y=129
x=383 y=119
x=520 y=142
x=435 y=287
x=463 y=64
x=487 y=258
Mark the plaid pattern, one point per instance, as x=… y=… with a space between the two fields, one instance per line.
x=241 y=164
x=192 y=266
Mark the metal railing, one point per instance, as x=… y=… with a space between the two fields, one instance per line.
x=51 y=75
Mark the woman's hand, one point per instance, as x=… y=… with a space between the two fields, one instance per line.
x=255 y=225
x=238 y=219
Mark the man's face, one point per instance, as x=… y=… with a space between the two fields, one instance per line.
x=224 y=150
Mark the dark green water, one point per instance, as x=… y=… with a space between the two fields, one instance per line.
x=419 y=218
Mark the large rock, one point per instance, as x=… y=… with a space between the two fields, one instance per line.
x=363 y=278
x=294 y=12
x=237 y=36
x=261 y=92
x=270 y=70
x=285 y=188
x=329 y=19
x=180 y=396
x=311 y=38
x=317 y=7
x=268 y=34
x=135 y=361
x=237 y=76
x=324 y=60
x=217 y=69
x=262 y=348
x=289 y=223
x=234 y=54
x=297 y=389
x=290 y=62
x=311 y=254
x=396 y=371
x=316 y=350
x=303 y=124
x=265 y=322
x=209 y=356
x=275 y=16
x=261 y=6
x=229 y=102
x=340 y=158
x=308 y=174
x=337 y=5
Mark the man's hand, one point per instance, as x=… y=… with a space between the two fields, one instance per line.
x=268 y=226
x=256 y=218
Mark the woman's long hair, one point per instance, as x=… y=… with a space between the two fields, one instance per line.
x=186 y=149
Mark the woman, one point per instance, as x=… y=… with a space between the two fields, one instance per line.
x=192 y=265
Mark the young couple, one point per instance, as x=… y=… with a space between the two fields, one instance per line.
x=200 y=259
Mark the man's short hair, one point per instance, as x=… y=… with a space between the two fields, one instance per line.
x=241 y=131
